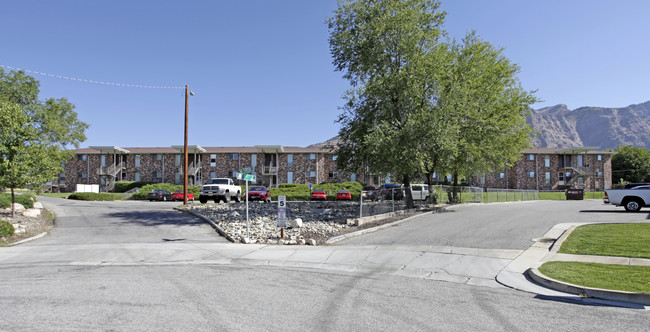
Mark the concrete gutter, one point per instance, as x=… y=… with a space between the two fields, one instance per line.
x=208 y=220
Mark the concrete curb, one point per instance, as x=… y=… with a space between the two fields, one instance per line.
x=605 y=294
x=380 y=227
x=212 y=223
x=35 y=237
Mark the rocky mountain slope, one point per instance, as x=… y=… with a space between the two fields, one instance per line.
x=557 y=126
x=607 y=128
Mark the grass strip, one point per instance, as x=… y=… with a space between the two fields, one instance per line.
x=620 y=240
x=628 y=278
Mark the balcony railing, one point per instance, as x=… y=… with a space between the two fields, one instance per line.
x=270 y=170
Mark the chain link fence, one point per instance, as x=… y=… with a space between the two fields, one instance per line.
x=492 y=195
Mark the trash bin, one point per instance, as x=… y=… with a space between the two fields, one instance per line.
x=575 y=194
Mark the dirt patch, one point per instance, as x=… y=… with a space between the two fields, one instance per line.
x=29 y=226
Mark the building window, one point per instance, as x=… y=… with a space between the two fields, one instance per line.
x=137 y=160
x=232 y=174
x=353 y=177
x=311 y=174
x=213 y=175
x=502 y=175
x=289 y=177
x=102 y=161
x=311 y=156
x=599 y=174
x=123 y=176
x=136 y=176
x=83 y=157
x=547 y=161
x=156 y=175
x=157 y=157
x=177 y=178
x=530 y=157
x=581 y=180
x=254 y=160
x=547 y=178
x=233 y=156
x=332 y=175
x=332 y=157
x=290 y=160
x=82 y=175
x=177 y=160
x=213 y=160
x=561 y=177
x=531 y=174
x=599 y=157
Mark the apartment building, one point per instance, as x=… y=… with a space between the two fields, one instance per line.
x=272 y=165
x=554 y=169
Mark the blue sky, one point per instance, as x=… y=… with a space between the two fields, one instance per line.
x=262 y=72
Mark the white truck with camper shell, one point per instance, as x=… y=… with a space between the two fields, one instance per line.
x=220 y=189
x=632 y=199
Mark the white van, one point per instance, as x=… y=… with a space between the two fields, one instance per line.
x=420 y=192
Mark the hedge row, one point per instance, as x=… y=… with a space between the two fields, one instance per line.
x=94 y=196
x=124 y=186
x=27 y=200
x=300 y=192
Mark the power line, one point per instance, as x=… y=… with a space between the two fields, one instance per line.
x=93 y=81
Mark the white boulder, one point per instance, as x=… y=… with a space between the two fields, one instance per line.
x=32 y=213
x=18 y=207
x=296 y=223
x=38 y=205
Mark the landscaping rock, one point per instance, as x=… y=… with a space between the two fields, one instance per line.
x=296 y=223
x=18 y=207
x=38 y=205
x=32 y=213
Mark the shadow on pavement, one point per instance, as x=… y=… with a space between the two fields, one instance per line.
x=157 y=218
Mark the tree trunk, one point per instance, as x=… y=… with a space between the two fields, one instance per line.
x=408 y=194
x=13 y=202
x=432 y=197
x=455 y=187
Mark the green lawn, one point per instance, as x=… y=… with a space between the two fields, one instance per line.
x=59 y=195
x=622 y=240
x=627 y=278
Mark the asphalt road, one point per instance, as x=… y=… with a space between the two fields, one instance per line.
x=497 y=226
x=54 y=295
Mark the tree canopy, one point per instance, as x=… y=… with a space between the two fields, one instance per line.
x=631 y=164
x=35 y=135
x=419 y=102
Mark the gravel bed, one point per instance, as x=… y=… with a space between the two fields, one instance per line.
x=26 y=227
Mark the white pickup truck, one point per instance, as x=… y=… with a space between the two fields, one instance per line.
x=632 y=199
x=220 y=189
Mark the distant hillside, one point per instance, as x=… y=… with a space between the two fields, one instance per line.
x=607 y=128
x=592 y=126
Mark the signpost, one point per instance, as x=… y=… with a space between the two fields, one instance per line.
x=244 y=174
x=282 y=214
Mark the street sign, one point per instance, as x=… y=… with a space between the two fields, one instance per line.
x=246 y=170
x=282 y=212
x=240 y=176
x=250 y=177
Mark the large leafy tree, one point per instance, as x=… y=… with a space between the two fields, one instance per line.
x=386 y=49
x=631 y=164
x=35 y=135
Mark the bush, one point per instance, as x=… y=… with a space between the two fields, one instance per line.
x=142 y=194
x=27 y=200
x=300 y=192
x=93 y=196
x=124 y=186
x=6 y=229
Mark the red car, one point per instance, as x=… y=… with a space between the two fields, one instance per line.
x=343 y=195
x=178 y=196
x=259 y=193
x=318 y=194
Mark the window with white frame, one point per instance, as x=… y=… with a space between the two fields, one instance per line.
x=547 y=161
x=232 y=174
x=102 y=161
x=561 y=177
x=311 y=156
x=233 y=156
x=599 y=157
x=289 y=177
x=213 y=160
x=547 y=178
x=581 y=180
x=311 y=174
x=332 y=175
x=332 y=157
x=290 y=160
x=531 y=174
x=254 y=160
x=157 y=157
x=81 y=157
x=82 y=175
x=353 y=177
x=177 y=178
x=580 y=163
x=599 y=174
x=177 y=160
x=156 y=175
x=531 y=157
x=137 y=160
x=502 y=175
x=136 y=176
x=213 y=175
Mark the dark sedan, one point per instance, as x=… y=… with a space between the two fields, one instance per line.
x=159 y=195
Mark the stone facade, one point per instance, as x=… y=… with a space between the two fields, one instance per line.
x=554 y=169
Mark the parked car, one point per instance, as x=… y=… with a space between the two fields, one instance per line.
x=632 y=199
x=369 y=193
x=343 y=195
x=318 y=194
x=391 y=191
x=420 y=192
x=178 y=196
x=159 y=195
x=259 y=193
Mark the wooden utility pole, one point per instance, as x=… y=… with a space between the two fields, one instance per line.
x=187 y=91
